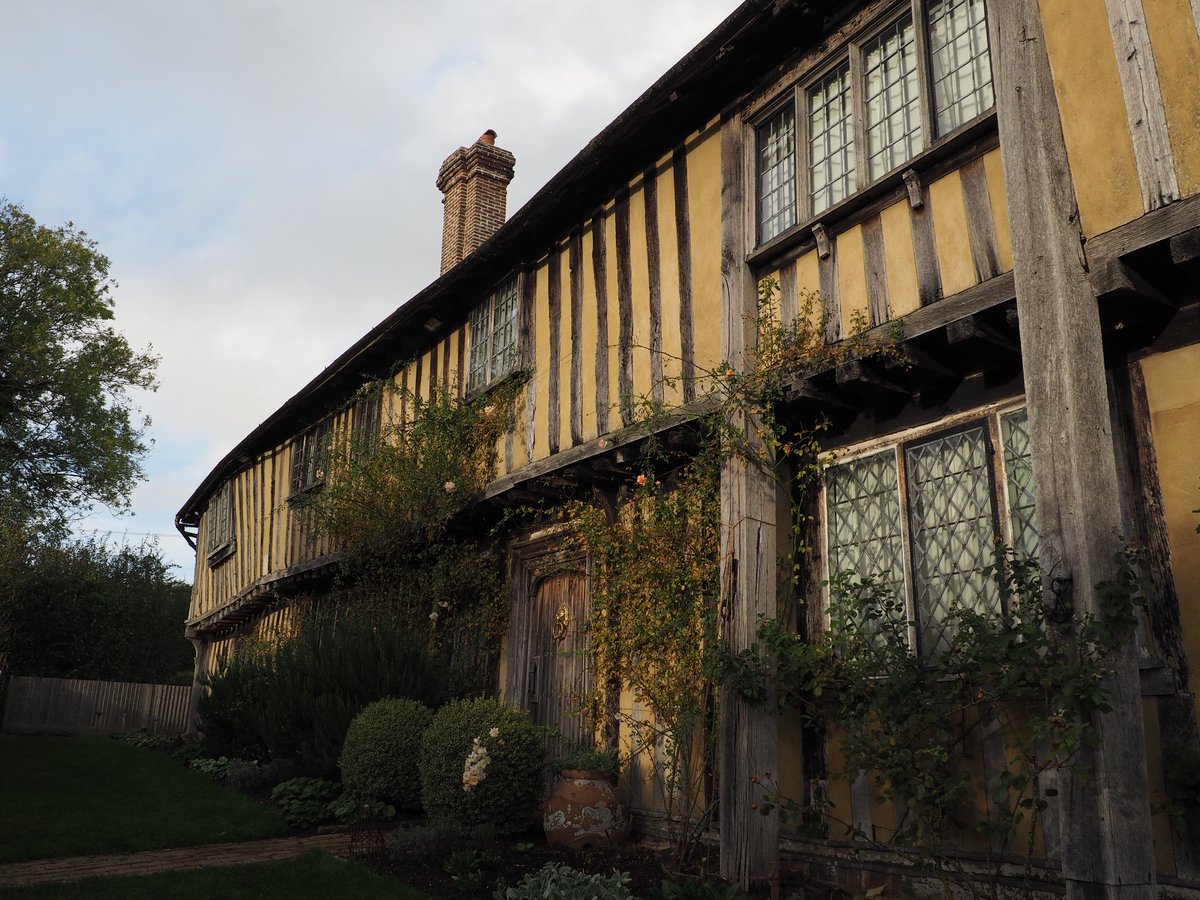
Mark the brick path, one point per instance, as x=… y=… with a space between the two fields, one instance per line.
x=148 y=862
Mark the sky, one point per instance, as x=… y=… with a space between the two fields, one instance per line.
x=261 y=172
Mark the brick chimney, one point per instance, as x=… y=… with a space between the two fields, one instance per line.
x=474 y=181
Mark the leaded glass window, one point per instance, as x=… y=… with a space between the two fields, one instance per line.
x=831 y=139
x=220 y=515
x=891 y=102
x=953 y=530
x=308 y=458
x=913 y=79
x=960 y=64
x=777 y=174
x=863 y=510
x=493 y=335
x=1018 y=470
x=935 y=497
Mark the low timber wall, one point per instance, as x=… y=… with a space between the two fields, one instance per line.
x=72 y=706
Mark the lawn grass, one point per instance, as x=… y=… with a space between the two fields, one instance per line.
x=71 y=796
x=314 y=876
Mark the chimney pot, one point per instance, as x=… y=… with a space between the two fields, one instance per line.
x=488 y=137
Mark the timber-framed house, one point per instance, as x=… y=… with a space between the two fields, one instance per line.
x=1015 y=182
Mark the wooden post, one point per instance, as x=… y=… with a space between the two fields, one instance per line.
x=749 y=733
x=203 y=650
x=1107 y=849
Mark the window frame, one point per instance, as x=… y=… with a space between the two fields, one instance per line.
x=851 y=50
x=305 y=475
x=990 y=417
x=222 y=549
x=491 y=375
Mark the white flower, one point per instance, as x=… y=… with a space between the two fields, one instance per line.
x=433 y=616
x=495 y=732
x=449 y=487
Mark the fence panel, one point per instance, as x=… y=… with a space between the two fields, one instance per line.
x=73 y=706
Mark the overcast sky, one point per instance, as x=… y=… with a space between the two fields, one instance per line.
x=261 y=172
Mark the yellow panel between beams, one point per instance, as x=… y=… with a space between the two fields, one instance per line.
x=541 y=350
x=852 y=282
x=668 y=266
x=899 y=259
x=993 y=170
x=950 y=230
x=704 y=214
x=1177 y=58
x=588 y=332
x=640 y=278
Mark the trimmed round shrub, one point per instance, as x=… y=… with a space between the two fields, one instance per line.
x=482 y=764
x=379 y=758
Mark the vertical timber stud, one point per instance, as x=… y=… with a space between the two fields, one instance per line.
x=749 y=732
x=203 y=650
x=1107 y=849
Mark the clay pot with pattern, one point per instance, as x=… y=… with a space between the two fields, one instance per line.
x=584 y=811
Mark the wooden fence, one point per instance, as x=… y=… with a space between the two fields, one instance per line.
x=71 y=706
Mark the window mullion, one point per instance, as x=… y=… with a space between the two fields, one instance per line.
x=910 y=593
x=924 y=79
x=800 y=135
x=490 y=331
x=859 y=125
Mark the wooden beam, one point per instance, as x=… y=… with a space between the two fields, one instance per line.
x=1116 y=280
x=683 y=238
x=749 y=733
x=553 y=376
x=1107 y=839
x=1185 y=247
x=600 y=279
x=1146 y=231
x=654 y=281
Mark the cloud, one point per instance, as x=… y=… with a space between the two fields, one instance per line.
x=262 y=174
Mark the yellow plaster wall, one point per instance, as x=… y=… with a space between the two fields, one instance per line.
x=852 y=281
x=668 y=265
x=541 y=349
x=640 y=278
x=1177 y=59
x=896 y=222
x=704 y=205
x=588 y=336
x=808 y=282
x=993 y=170
x=614 y=320
x=950 y=231
x=1173 y=392
x=1092 y=108
x=564 y=348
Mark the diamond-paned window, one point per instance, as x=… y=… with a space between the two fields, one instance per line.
x=953 y=529
x=863 y=511
x=1018 y=469
x=493 y=332
x=938 y=493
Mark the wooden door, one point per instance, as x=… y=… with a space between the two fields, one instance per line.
x=558 y=682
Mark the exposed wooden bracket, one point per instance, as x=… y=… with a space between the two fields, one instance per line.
x=821 y=236
x=1185 y=247
x=858 y=372
x=1116 y=280
x=912 y=181
x=806 y=390
x=973 y=328
x=1158 y=681
x=925 y=363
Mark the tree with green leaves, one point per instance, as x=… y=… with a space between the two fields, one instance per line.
x=70 y=433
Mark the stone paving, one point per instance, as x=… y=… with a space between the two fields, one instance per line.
x=147 y=862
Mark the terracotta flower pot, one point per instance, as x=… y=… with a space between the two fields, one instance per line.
x=584 y=811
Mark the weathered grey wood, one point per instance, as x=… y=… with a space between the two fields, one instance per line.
x=683 y=240
x=650 y=194
x=600 y=278
x=1185 y=248
x=461 y=374
x=1160 y=225
x=553 y=403
x=1145 y=114
x=749 y=734
x=576 y=263
x=912 y=185
x=860 y=807
x=36 y=705
x=528 y=297
x=821 y=236
x=625 y=310
x=446 y=366
x=875 y=266
x=418 y=393
x=1196 y=14
x=789 y=295
x=1137 y=468
x=831 y=306
x=1107 y=844
x=929 y=276
x=981 y=227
